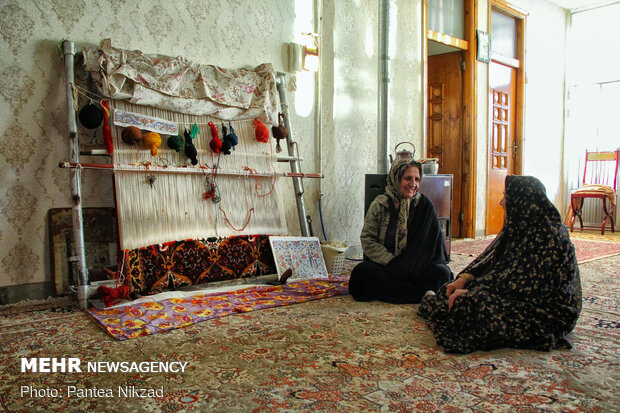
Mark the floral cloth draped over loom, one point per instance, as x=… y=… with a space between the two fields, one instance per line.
x=177 y=84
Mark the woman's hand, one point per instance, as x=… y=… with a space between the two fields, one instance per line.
x=457 y=284
x=454 y=296
x=456 y=288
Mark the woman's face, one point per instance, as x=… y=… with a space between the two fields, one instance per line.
x=410 y=182
x=502 y=202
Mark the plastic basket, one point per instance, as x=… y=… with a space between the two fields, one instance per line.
x=334 y=258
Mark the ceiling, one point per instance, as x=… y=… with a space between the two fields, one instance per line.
x=581 y=4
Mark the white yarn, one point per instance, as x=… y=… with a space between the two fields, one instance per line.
x=173 y=208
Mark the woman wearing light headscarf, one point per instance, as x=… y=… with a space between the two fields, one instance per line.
x=523 y=291
x=404 y=250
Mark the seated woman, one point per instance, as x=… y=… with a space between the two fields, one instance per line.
x=523 y=291
x=404 y=250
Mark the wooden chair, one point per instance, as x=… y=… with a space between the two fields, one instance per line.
x=599 y=182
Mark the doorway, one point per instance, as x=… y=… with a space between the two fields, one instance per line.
x=501 y=140
x=450 y=104
x=505 y=108
x=445 y=124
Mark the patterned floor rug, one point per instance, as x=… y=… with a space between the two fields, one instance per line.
x=586 y=249
x=329 y=355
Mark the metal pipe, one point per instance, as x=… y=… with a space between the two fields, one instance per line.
x=383 y=127
x=74 y=154
x=318 y=111
x=290 y=143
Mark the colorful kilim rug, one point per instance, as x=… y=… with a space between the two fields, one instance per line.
x=587 y=250
x=154 y=317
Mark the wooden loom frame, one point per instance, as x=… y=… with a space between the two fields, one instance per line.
x=69 y=52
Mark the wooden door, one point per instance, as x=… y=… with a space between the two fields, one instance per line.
x=502 y=82
x=445 y=124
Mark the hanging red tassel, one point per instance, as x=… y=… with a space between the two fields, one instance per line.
x=110 y=295
x=107 y=132
x=215 y=143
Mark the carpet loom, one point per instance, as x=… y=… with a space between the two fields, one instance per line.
x=162 y=201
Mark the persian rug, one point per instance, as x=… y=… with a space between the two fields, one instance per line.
x=154 y=317
x=155 y=268
x=330 y=355
x=586 y=250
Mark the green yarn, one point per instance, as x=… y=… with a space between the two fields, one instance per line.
x=176 y=142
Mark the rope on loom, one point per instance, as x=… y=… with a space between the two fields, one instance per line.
x=213 y=191
x=257 y=185
x=77 y=90
x=248 y=214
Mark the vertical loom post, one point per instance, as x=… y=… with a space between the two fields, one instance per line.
x=290 y=143
x=68 y=49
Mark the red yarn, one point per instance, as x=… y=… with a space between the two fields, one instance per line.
x=262 y=133
x=107 y=133
x=215 y=143
x=109 y=295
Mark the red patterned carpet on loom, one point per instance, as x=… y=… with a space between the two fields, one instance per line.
x=331 y=355
x=586 y=249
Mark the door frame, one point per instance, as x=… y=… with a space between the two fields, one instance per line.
x=520 y=17
x=470 y=101
x=470 y=106
x=518 y=65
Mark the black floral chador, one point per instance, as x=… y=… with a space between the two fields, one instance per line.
x=526 y=290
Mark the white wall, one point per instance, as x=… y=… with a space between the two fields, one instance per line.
x=544 y=95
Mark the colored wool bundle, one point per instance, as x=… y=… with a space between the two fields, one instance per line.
x=131 y=135
x=190 y=149
x=215 y=143
x=261 y=133
x=107 y=132
x=152 y=141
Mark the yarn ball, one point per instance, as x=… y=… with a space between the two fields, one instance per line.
x=131 y=135
x=91 y=116
x=152 y=141
x=190 y=149
x=176 y=142
x=215 y=143
x=110 y=295
x=191 y=152
x=231 y=137
x=226 y=147
x=261 y=132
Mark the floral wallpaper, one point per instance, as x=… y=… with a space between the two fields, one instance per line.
x=227 y=33
x=349 y=149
